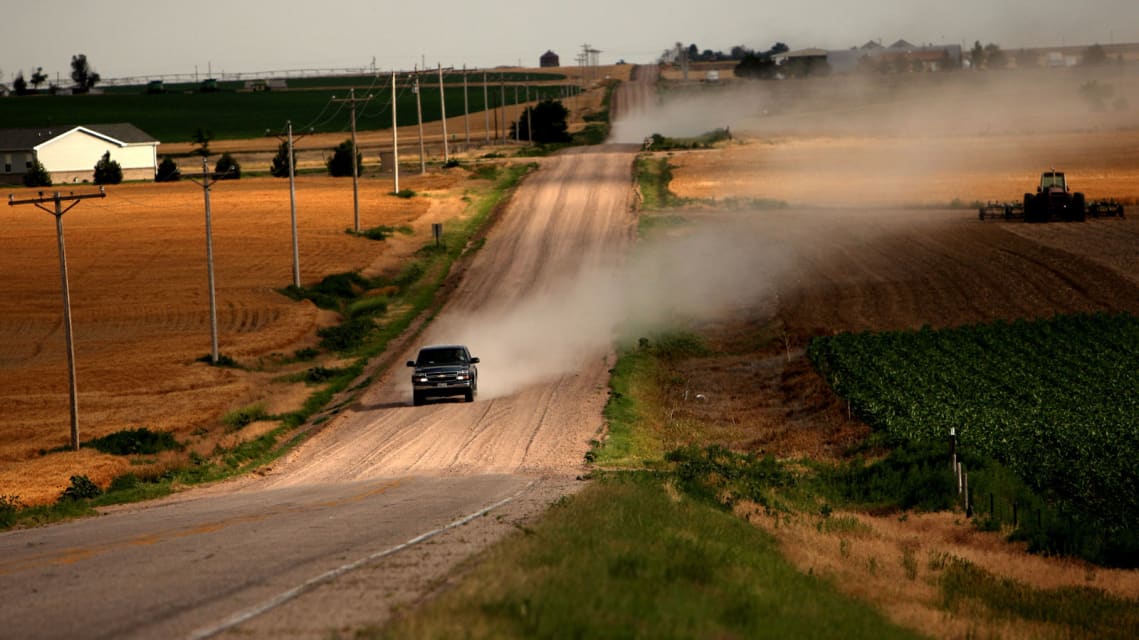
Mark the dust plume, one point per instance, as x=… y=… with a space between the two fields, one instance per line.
x=703 y=274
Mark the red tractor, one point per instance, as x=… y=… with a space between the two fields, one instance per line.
x=1053 y=201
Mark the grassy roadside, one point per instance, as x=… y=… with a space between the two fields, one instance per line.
x=630 y=558
x=371 y=322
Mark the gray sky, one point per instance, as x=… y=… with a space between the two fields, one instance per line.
x=138 y=38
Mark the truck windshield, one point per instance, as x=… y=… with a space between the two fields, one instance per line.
x=433 y=357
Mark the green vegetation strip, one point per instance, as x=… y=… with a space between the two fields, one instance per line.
x=627 y=559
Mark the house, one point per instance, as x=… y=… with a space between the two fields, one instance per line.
x=549 y=59
x=69 y=152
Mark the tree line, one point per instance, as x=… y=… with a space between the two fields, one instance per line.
x=83 y=77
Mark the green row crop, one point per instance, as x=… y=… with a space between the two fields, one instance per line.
x=1055 y=400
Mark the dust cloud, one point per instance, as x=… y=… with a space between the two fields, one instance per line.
x=697 y=274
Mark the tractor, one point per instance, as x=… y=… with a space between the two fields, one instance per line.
x=1053 y=200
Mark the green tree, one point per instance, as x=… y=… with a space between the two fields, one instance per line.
x=761 y=64
x=280 y=165
x=108 y=171
x=37 y=175
x=227 y=168
x=82 y=74
x=168 y=171
x=548 y=118
x=38 y=78
x=340 y=164
x=20 y=85
x=202 y=137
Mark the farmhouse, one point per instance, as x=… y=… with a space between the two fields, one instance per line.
x=69 y=152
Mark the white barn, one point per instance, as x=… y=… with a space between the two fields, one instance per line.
x=69 y=152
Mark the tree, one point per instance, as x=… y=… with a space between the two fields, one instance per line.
x=38 y=78
x=227 y=168
x=108 y=171
x=548 y=118
x=995 y=58
x=202 y=137
x=340 y=164
x=168 y=171
x=977 y=55
x=280 y=166
x=20 y=85
x=81 y=74
x=1094 y=56
x=37 y=175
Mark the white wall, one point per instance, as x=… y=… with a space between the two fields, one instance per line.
x=77 y=152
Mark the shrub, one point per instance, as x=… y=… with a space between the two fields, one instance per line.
x=340 y=164
x=37 y=176
x=135 y=441
x=81 y=488
x=168 y=171
x=108 y=171
x=347 y=335
x=9 y=507
x=368 y=306
x=244 y=416
x=280 y=165
x=227 y=168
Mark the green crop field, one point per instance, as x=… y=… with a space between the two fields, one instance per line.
x=1056 y=401
x=175 y=115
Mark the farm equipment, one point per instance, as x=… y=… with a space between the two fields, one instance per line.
x=1105 y=209
x=1001 y=211
x=1053 y=199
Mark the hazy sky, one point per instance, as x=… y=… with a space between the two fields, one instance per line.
x=124 y=38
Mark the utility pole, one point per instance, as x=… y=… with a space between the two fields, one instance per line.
x=208 y=179
x=529 y=110
x=502 y=92
x=486 y=107
x=466 y=107
x=395 y=140
x=352 y=100
x=58 y=212
x=517 y=132
x=443 y=115
x=293 y=204
x=419 y=112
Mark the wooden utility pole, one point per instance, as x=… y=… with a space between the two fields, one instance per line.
x=289 y=140
x=486 y=106
x=208 y=179
x=419 y=112
x=443 y=115
x=395 y=140
x=466 y=107
x=502 y=93
x=352 y=101
x=529 y=122
x=58 y=212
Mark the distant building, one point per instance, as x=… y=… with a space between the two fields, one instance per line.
x=549 y=59
x=898 y=57
x=70 y=152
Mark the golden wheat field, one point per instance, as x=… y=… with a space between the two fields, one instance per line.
x=140 y=310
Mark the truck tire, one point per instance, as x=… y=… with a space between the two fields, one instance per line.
x=1079 y=207
x=416 y=398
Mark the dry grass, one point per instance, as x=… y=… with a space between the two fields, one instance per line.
x=892 y=562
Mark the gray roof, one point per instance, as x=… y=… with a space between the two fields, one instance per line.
x=27 y=138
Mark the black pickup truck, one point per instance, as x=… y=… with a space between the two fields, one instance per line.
x=444 y=370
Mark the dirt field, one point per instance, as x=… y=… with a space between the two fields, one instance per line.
x=141 y=313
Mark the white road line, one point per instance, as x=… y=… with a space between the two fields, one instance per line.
x=307 y=585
